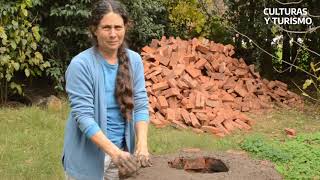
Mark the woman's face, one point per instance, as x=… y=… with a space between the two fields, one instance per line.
x=110 y=32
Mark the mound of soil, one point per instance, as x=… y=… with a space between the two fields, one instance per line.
x=241 y=167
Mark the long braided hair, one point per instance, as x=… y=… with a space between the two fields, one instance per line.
x=123 y=91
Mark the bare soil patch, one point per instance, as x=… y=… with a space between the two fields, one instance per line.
x=239 y=164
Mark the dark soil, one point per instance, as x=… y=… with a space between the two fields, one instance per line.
x=241 y=167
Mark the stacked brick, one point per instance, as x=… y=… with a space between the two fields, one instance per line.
x=199 y=84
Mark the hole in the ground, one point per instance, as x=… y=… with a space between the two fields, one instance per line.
x=199 y=164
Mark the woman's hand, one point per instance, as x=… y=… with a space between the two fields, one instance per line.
x=141 y=152
x=126 y=163
x=143 y=156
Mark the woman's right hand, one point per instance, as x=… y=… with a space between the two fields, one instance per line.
x=126 y=163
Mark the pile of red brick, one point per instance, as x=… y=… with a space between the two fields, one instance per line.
x=199 y=84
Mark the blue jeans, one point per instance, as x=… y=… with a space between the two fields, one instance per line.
x=111 y=171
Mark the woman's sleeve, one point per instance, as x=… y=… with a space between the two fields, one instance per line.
x=141 y=102
x=79 y=86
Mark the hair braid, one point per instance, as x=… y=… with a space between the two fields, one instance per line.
x=124 y=94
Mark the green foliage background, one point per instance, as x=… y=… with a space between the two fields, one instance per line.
x=47 y=34
x=19 y=51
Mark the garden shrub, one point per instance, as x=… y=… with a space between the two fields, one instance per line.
x=19 y=51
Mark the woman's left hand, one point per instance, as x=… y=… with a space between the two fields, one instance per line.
x=143 y=156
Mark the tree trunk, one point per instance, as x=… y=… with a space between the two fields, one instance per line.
x=266 y=63
x=294 y=52
x=285 y=49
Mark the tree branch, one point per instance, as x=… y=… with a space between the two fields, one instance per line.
x=289 y=3
x=306 y=48
x=270 y=53
x=304 y=93
x=297 y=32
x=315 y=16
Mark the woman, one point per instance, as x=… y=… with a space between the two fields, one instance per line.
x=109 y=103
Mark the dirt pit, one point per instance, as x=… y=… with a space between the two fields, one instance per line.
x=239 y=165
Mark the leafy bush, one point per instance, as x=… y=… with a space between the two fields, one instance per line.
x=297 y=158
x=19 y=51
x=315 y=81
x=64 y=25
x=148 y=20
x=186 y=19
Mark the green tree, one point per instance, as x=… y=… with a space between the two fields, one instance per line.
x=19 y=51
x=149 y=20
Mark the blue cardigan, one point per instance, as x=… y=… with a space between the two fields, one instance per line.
x=82 y=159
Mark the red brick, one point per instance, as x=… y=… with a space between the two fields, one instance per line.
x=173 y=102
x=163 y=102
x=202 y=116
x=151 y=110
x=159 y=116
x=154 y=43
x=200 y=63
x=283 y=85
x=212 y=103
x=203 y=101
x=179 y=69
x=228 y=125
x=171 y=92
x=154 y=73
x=226 y=97
x=255 y=74
x=172 y=83
x=148 y=83
x=182 y=85
x=156 y=121
x=186 y=117
x=174 y=60
x=230 y=84
x=178 y=125
x=220 y=117
x=240 y=90
x=243 y=117
x=148 y=49
x=209 y=67
x=271 y=84
x=218 y=76
x=192 y=71
x=159 y=77
x=222 y=67
x=280 y=92
x=189 y=81
x=166 y=71
x=290 y=132
x=203 y=49
x=243 y=124
x=155 y=79
x=241 y=72
x=250 y=86
x=188 y=59
x=194 y=121
x=163 y=60
x=160 y=86
x=245 y=108
x=199 y=100
x=222 y=128
x=178 y=114
x=217 y=48
x=171 y=114
x=237 y=125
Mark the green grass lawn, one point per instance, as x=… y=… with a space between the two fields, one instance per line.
x=31 y=138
